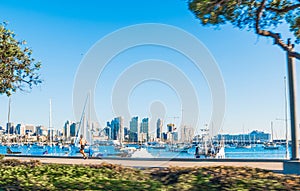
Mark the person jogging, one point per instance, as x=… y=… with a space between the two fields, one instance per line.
x=82 y=143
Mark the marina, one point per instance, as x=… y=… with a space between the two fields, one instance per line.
x=137 y=151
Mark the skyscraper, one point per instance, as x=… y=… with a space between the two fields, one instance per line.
x=171 y=127
x=159 y=126
x=10 y=128
x=67 y=130
x=145 y=126
x=121 y=129
x=134 y=124
x=20 y=129
x=187 y=134
x=117 y=130
x=73 y=129
x=133 y=129
x=144 y=130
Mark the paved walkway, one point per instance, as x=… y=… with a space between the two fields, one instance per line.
x=144 y=163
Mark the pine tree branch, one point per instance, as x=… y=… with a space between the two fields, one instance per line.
x=284 y=10
x=275 y=36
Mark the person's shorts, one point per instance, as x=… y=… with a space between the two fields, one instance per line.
x=81 y=147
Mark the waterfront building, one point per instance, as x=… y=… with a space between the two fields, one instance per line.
x=107 y=132
x=10 y=129
x=134 y=124
x=159 y=126
x=120 y=136
x=69 y=130
x=134 y=129
x=133 y=137
x=170 y=127
x=30 y=129
x=144 y=129
x=41 y=130
x=187 y=134
x=116 y=128
x=66 y=130
x=260 y=135
x=73 y=129
x=20 y=129
x=143 y=137
x=164 y=136
x=126 y=133
x=254 y=136
x=175 y=136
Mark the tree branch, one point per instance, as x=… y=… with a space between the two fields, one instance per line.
x=284 y=10
x=275 y=36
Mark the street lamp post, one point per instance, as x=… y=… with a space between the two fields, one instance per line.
x=286 y=123
x=293 y=111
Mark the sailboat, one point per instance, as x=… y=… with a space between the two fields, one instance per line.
x=271 y=145
x=243 y=144
x=84 y=129
x=208 y=149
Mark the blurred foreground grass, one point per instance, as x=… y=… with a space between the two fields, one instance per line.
x=16 y=175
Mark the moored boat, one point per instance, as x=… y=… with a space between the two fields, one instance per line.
x=271 y=146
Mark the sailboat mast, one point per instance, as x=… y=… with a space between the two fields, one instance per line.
x=8 y=119
x=272 y=131
x=89 y=120
x=50 y=121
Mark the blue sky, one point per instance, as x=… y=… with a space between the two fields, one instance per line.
x=61 y=32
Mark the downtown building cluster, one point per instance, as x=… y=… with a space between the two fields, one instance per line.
x=141 y=131
x=28 y=133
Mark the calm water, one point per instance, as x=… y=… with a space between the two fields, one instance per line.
x=257 y=152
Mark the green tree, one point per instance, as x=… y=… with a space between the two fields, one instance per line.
x=18 y=70
x=261 y=16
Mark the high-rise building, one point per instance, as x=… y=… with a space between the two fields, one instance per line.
x=187 y=134
x=41 y=130
x=121 y=129
x=159 y=126
x=10 y=128
x=134 y=124
x=134 y=129
x=73 y=129
x=145 y=126
x=107 y=131
x=20 y=129
x=171 y=127
x=30 y=129
x=175 y=136
x=144 y=130
x=116 y=126
x=67 y=130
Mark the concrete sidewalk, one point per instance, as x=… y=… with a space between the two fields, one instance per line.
x=274 y=165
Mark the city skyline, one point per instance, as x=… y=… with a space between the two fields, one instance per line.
x=60 y=36
x=115 y=130
x=136 y=124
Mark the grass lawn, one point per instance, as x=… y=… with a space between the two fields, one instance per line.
x=16 y=175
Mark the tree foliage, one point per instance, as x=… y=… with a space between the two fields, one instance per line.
x=18 y=70
x=261 y=16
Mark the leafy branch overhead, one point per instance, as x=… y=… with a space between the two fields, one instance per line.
x=261 y=16
x=18 y=70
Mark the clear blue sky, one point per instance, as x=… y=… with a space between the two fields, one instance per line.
x=61 y=32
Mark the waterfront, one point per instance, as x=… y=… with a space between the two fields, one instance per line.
x=255 y=152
